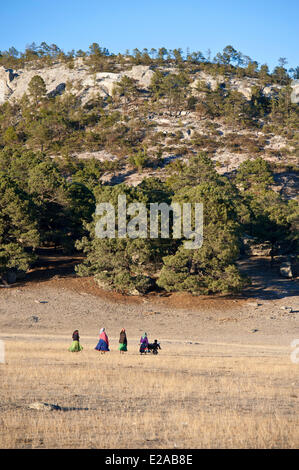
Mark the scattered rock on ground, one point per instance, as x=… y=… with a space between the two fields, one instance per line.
x=34 y=318
x=289 y=309
x=40 y=406
x=44 y=406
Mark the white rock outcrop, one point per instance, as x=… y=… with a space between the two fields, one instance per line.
x=83 y=83
x=14 y=84
x=243 y=85
x=6 y=77
x=295 y=92
x=142 y=73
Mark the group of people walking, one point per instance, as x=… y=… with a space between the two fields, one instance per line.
x=103 y=343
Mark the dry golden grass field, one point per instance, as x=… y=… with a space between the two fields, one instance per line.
x=223 y=379
x=189 y=396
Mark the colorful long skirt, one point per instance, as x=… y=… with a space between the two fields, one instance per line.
x=122 y=347
x=143 y=348
x=75 y=346
x=102 y=346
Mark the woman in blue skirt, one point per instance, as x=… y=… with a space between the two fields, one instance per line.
x=103 y=344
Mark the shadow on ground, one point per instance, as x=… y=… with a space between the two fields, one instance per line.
x=52 y=263
x=267 y=283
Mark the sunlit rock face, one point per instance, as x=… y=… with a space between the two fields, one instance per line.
x=295 y=92
x=84 y=84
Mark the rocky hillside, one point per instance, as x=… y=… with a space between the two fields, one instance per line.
x=230 y=117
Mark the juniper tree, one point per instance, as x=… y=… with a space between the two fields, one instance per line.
x=37 y=88
x=124 y=263
x=18 y=228
x=211 y=268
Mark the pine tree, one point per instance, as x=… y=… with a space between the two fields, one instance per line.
x=37 y=88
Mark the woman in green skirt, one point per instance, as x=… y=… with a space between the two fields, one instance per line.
x=122 y=341
x=75 y=346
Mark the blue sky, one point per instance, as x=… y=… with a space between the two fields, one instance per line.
x=262 y=29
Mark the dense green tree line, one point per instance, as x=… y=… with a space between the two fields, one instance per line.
x=51 y=202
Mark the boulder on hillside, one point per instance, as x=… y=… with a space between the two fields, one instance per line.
x=142 y=73
x=295 y=92
x=285 y=269
x=6 y=76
